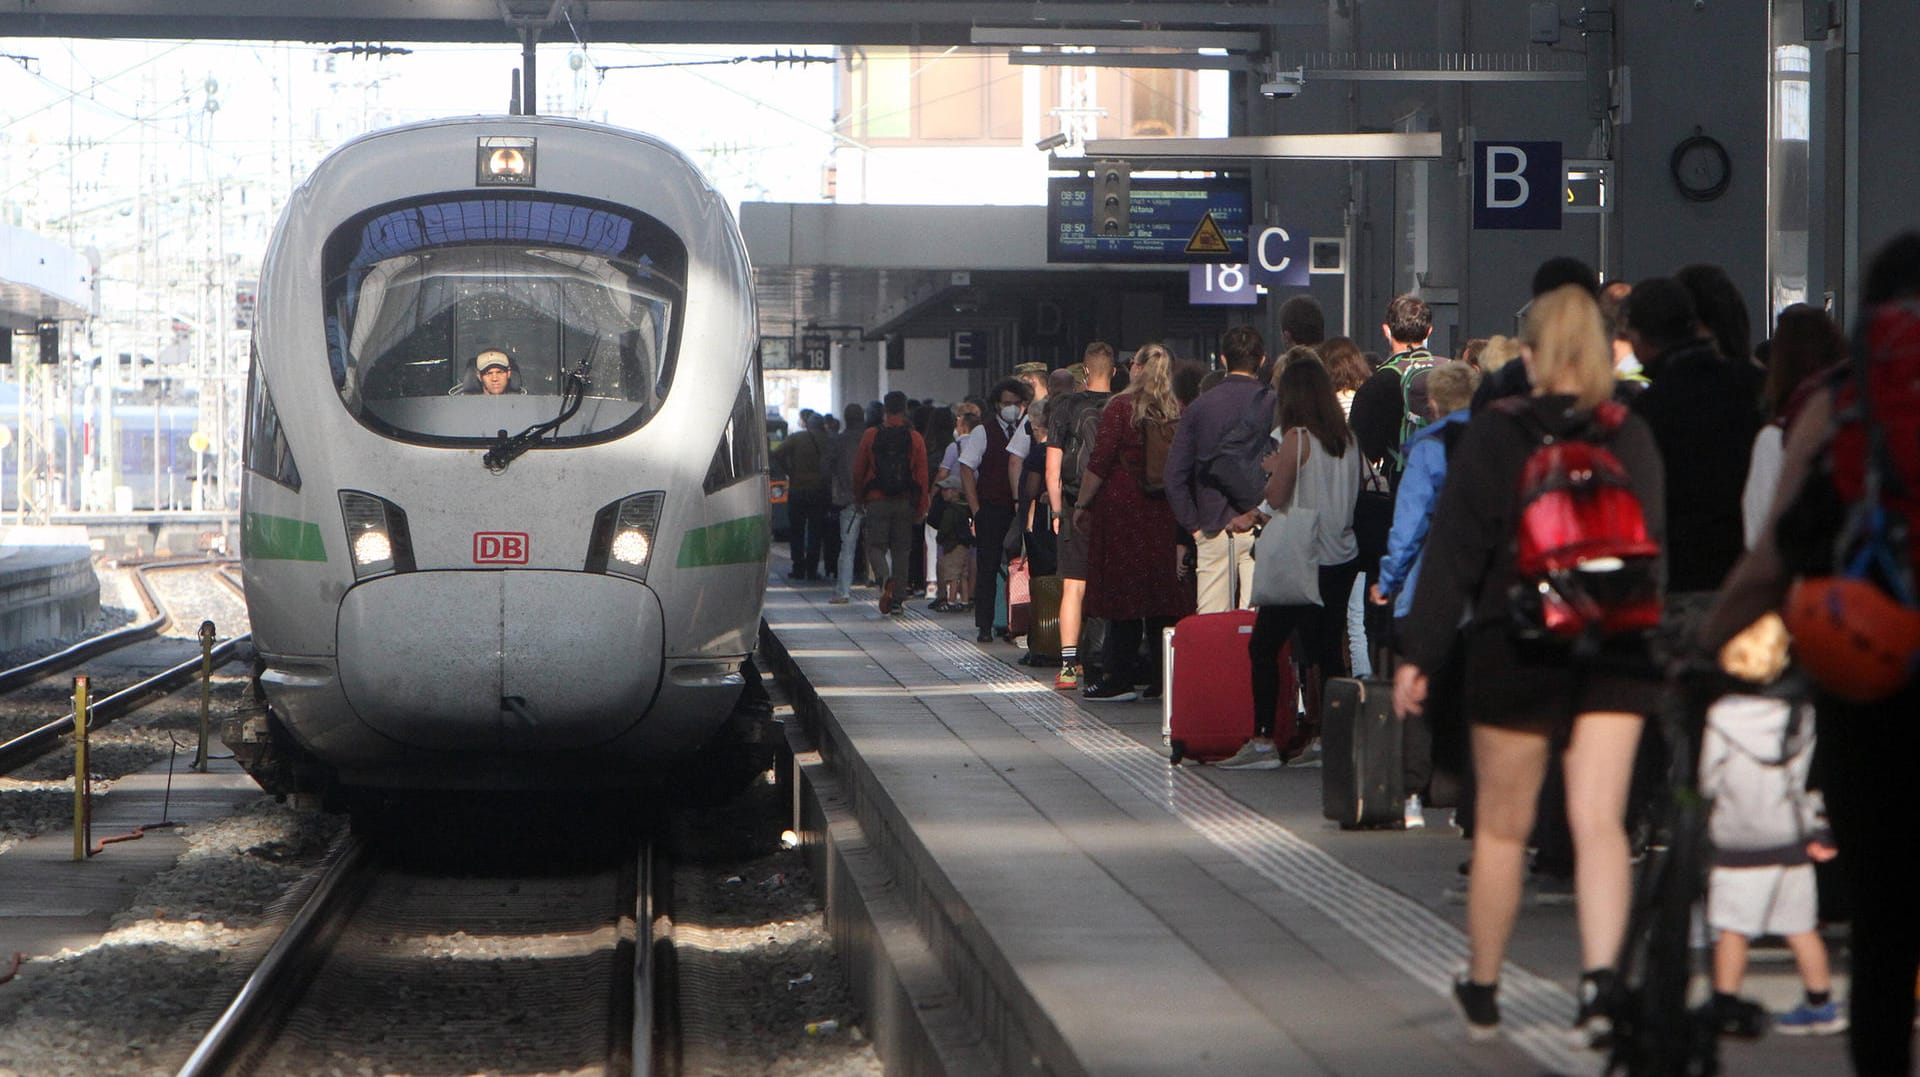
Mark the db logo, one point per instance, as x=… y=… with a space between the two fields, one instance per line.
x=499 y=548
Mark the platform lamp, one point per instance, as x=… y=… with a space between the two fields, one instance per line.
x=49 y=334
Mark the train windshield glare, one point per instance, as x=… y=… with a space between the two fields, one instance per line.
x=427 y=300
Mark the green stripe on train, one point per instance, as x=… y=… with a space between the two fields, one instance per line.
x=729 y=542
x=277 y=538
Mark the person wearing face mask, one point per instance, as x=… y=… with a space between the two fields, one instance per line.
x=986 y=477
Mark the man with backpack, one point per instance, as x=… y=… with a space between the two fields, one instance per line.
x=890 y=471
x=1073 y=420
x=1232 y=420
x=1392 y=406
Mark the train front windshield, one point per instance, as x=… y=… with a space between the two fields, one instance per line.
x=423 y=297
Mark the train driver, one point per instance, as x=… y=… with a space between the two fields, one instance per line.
x=493 y=375
x=494 y=370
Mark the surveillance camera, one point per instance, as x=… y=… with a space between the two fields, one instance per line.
x=1284 y=84
x=1052 y=142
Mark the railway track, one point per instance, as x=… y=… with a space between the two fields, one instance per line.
x=545 y=964
x=177 y=670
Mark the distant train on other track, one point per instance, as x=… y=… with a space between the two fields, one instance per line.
x=146 y=473
x=551 y=586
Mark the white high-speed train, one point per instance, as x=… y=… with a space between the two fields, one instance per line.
x=555 y=586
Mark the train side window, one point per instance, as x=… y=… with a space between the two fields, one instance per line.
x=267 y=452
x=742 y=451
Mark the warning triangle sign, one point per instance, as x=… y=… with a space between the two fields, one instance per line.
x=1207 y=238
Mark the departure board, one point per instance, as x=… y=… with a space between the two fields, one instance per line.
x=1172 y=221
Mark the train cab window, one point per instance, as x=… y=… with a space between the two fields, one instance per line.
x=416 y=291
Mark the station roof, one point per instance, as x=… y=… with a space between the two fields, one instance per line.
x=899 y=266
x=41 y=279
x=826 y=22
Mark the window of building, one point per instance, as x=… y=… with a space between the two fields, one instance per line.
x=896 y=95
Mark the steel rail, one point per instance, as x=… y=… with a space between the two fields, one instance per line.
x=30 y=745
x=246 y=1020
x=645 y=970
x=158 y=618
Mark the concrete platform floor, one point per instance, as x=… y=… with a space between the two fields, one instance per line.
x=1149 y=919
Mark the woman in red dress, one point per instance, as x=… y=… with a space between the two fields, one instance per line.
x=1133 y=562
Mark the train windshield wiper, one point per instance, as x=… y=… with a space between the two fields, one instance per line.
x=505 y=450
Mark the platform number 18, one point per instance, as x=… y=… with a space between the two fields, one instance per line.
x=1226 y=284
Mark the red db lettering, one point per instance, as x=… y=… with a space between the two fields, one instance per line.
x=500 y=548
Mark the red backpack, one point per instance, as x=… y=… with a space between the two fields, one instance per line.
x=1588 y=571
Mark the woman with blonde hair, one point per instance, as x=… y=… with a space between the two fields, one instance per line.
x=1525 y=702
x=1132 y=564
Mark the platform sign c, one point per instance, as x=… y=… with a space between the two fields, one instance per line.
x=1280 y=258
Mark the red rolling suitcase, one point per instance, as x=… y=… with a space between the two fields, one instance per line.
x=1207 y=706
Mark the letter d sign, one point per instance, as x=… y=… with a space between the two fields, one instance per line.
x=1516 y=185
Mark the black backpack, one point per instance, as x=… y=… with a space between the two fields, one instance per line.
x=1234 y=468
x=893 y=461
x=1077 y=447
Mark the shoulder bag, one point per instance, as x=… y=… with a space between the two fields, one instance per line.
x=1372 y=514
x=1284 y=571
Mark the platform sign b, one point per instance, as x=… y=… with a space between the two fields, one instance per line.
x=1516 y=185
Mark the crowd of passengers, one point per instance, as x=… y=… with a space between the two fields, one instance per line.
x=1103 y=473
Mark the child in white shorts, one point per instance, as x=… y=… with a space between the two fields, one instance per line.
x=1767 y=830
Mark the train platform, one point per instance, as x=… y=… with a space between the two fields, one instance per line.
x=51 y=902
x=1021 y=883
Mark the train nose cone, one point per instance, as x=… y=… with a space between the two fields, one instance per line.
x=493 y=661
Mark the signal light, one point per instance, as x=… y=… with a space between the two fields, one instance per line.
x=49 y=334
x=1112 y=201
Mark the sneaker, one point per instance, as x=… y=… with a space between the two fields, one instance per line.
x=1554 y=890
x=1593 y=1023
x=1415 y=816
x=1456 y=891
x=985 y=635
x=1805 y=1020
x=1109 y=693
x=938 y=605
x=839 y=600
x=1151 y=691
x=1067 y=679
x=1742 y=1018
x=1479 y=1006
x=1308 y=756
x=1252 y=756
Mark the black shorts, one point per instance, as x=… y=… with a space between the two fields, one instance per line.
x=1507 y=688
x=1072 y=548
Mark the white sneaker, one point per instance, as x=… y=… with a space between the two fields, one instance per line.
x=1252 y=756
x=1416 y=816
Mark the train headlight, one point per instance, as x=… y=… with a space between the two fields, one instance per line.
x=504 y=160
x=623 y=535
x=377 y=536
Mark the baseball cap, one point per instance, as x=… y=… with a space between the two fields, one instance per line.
x=1030 y=368
x=491 y=357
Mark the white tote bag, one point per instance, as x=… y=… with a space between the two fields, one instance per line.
x=1284 y=572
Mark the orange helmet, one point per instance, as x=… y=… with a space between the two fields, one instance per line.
x=1858 y=643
